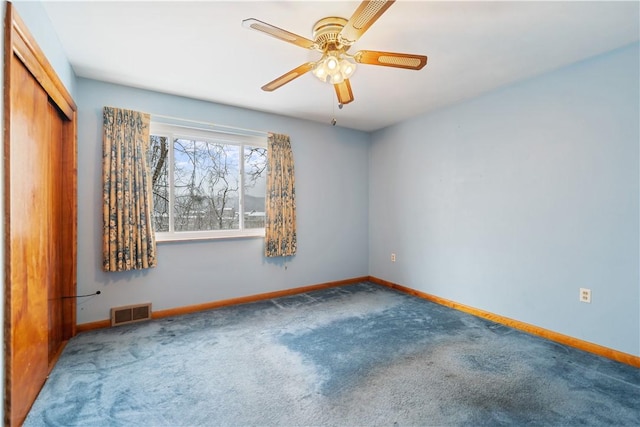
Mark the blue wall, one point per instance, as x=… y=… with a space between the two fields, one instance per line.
x=513 y=201
x=331 y=166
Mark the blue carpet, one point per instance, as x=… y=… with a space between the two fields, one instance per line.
x=353 y=355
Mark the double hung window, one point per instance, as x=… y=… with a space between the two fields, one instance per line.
x=206 y=184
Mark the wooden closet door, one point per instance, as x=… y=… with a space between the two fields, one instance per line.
x=56 y=290
x=34 y=224
x=31 y=230
x=40 y=219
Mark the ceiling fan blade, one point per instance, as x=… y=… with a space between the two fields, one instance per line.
x=279 y=33
x=391 y=59
x=343 y=90
x=287 y=77
x=367 y=13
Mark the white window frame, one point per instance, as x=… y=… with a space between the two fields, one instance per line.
x=172 y=132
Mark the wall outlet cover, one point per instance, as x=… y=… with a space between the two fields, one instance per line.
x=585 y=295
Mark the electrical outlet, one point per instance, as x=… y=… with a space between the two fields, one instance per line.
x=585 y=295
x=393 y=257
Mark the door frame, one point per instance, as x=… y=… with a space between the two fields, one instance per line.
x=21 y=44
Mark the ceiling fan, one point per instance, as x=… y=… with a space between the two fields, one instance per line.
x=333 y=36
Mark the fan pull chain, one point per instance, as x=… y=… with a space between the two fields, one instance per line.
x=333 y=106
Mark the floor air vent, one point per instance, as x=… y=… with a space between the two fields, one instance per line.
x=130 y=314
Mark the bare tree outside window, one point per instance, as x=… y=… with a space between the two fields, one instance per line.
x=206 y=183
x=158 y=156
x=255 y=170
x=210 y=190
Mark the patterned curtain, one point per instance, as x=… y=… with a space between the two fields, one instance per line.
x=280 y=227
x=128 y=241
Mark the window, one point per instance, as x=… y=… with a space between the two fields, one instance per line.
x=206 y=184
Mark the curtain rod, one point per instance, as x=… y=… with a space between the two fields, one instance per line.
x=222 y=128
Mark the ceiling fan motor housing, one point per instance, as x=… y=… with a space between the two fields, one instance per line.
x=326 y=31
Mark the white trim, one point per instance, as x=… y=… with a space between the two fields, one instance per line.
x=181 y=236
x=186 y=132
x=169 y=120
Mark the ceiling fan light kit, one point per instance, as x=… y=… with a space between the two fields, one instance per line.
x=333 y=69
x=333 y=36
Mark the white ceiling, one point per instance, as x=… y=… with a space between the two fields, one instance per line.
x=201 y=50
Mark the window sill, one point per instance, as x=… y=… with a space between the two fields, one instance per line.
x=186 y=236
